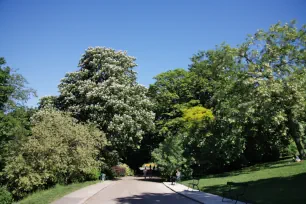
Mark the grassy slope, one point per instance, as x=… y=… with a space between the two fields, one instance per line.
x=52 y=194
x=277 y=182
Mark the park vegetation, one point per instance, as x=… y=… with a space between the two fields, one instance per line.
x=233 y=107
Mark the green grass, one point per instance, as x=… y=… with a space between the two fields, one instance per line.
x=277 y=182
x=52 y=194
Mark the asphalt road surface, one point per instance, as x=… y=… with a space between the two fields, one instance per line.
x=134 y=190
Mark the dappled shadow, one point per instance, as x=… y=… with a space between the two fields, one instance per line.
x=274 y=190
x=258 y=167
x=155 y=198
x=207 y=197
x=150 y=179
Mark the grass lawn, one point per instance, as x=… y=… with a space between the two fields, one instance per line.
x=277 y=182
x=52 y=194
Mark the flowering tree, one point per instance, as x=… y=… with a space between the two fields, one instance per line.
x=104 y=90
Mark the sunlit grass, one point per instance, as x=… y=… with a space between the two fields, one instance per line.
x=277 y=182
x=52 y=194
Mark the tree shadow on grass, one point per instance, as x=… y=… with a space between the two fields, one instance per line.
x=258 y=167
x=155 y=198
x=269 y=191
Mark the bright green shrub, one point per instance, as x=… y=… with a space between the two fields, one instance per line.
x=197 y=113
x=292 y=150
x=93 y=174
x=169 y=156
x=59 y=151
x=5 y=196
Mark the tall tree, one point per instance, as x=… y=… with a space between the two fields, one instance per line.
x=169 y=155
x=5 y=88
x=104 y=90
x=275 y=63
x=14 y=117
x=13 y=89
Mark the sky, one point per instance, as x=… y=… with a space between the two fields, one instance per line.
x=44 y=39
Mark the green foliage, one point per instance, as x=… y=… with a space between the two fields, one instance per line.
x=5 y=87
x=291 y=150
x=275 y=76
x=13 y=90
x=169 y=156
x=171 y=88
x=14 y=129
x=93 y=174
x=14 y=118
x=5 y=196
x=48 y=102
x=128 y=170
x=197 y=113
x=104 y=91
x=110 y=174
x=255 y=93
x=60 y=150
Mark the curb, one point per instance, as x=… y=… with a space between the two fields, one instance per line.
x=183 y=194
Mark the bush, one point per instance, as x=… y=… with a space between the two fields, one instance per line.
x=292 y=150
x=169 y=156
x=93 y=175
x=122 y=170
x=5 y=196
x=128 y=170
x=118 y=171
x=108 y=172
x=59 y=151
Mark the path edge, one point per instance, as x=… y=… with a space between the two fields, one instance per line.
x=191 y=198
x=87 y=198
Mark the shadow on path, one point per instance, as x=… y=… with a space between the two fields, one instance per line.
x=155 y=198
x=152 y=179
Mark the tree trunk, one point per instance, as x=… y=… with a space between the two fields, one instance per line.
x=294 y=132
x=299 y=145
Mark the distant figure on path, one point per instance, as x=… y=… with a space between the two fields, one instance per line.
x=150 y=171
x=153 y=171
x=145 y=172
x=178 y=175
x=297 y=159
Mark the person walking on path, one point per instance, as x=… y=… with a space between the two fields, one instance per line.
x=145 y=172
x=150 y=172
x=178 y=175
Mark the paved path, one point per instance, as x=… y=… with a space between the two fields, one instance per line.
x=199 y=196
x=134 y=190
x=83 y=194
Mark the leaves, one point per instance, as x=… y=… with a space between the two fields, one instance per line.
x=104 y=91
x=59 y=151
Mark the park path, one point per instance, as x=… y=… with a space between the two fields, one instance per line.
x=134 y=190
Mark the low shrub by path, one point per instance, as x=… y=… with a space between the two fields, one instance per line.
x=52 y=194
x=276 y=182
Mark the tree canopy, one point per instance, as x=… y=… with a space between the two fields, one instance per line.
x=104 y=91
x=256 y=92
